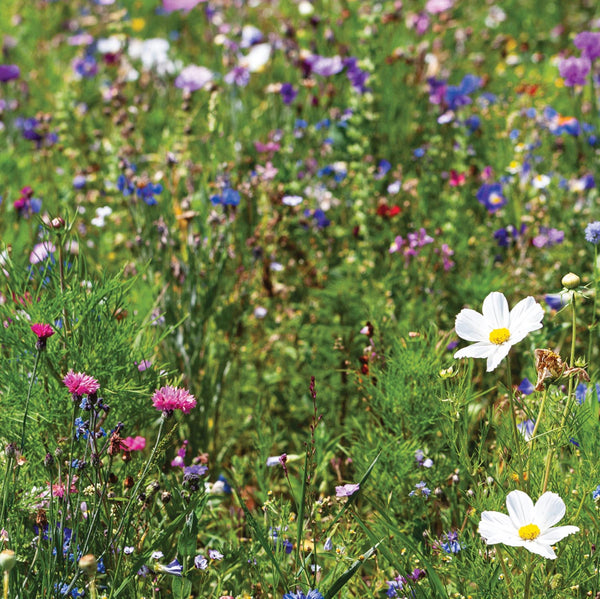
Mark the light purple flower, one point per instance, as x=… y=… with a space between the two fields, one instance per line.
x=574 y=70
x=193 y=78
x=346 y=490
x=200 y=562
x=324 y=65
x=589 y=44
x=187 y=5
x=435 y=7
x=41 y=252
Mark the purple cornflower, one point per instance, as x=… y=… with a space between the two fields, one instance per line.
x=85 y=68
x=490 y=195
x=357 y=76
x=446 y=252
x=193 y=78
x=191 y=476
x=589 y=44
x=325 y=65
x=239 y=76
x=288 y=93
x=548 y=237
x=346 y=490
x=458 y=95
x=592 y=232
x=8 y=72
x=420 y=489
x=507 y=236
x=574 y=70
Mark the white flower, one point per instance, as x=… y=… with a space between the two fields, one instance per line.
x=496 y=330
x=527 y=525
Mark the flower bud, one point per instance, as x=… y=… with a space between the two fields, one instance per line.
x=571 y=281
x=89 y=565
x=8 y=559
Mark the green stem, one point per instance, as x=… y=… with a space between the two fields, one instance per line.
x=530 y=566
x=5 y=584
x=535 y=429
x=516 y=434
x=37 y=359
x=592 y=327
x=504 y=571
x=563 y=420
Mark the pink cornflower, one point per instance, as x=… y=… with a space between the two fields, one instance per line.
x=134 y=443
x=79 y=383
x=43 y=332
x=168 y=399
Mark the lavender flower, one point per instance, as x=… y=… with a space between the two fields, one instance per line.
x=574 y=70
x=592 y=232
x=589 y=44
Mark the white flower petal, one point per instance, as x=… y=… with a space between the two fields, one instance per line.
x=495 y=310
x=541 y=549
x=525 y=317
x=494 y=527
x=520 y=508
x=549 y=509
x=472 y=326
x=499 y=353
x=482 y=349
x=556 y=534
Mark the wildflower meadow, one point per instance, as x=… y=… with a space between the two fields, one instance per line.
x=299 y=299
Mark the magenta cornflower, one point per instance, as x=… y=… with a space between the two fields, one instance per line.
x=80 y=384
x=168 y=399
x=43 y=332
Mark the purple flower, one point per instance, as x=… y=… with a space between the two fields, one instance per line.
x=313 y=594
x=490 y=195
x=174 y=568
x=592 y=232
x=574 y=70
x=548 y=237
x=191 y=476
x=435 y=7
x=526 y=387
x=9 y=72
x=395 y=585
x=200 y=562
x=420 y=489
x=239 y=76
x=451 y=545
x=458 y=95
x=346 y=490
x=85 y=67
x=288 y=93
x=187 y=5
x=193 y=78
x=589 y=44
x=324 y=65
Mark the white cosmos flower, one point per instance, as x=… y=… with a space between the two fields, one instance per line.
x=496 y=330
x=527 y=525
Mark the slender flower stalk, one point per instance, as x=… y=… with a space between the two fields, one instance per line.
x=31 y=380
x=516 y=435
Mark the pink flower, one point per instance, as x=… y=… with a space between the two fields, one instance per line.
x=193 y=78
x=435 y=7
x=171 y=5
x=79 y=383
x=346 y=490
x=43 y=331
x=168 y=399
x=134 y=443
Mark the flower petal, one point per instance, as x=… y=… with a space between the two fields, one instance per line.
x=499 y=353
x=495 y=527
x=520 y=508
x=525 y=317
x=482 y=349
x=495 y=310
x=549 y=509
x=471 y=326
x=541 y=549
x=556 y=534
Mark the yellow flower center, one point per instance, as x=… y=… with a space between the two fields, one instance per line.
x=529 y=532
x=499 y=336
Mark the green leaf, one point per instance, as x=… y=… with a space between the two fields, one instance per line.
x=187 y=543
x=181 y=587
x=349 y=573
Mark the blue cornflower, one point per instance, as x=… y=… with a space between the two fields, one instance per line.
x=526 y=387
x=314 y=594
x=592 y=232
x=451 y=545
x=229 y=197
x=148 y=191
x=420 y=489
x=526 y=429
x=395 y=585
x=490 y=195
x=580 y=392
x=125 y=186
x=596 y=494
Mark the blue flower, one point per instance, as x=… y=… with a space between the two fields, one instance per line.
x=148 y=191
x=596 y=493
x=490 y=195
x=174 y=568
x=526 y=387
x=592 y=232
x=314 y=594
x=420 y=489
x=451 y=545
x=580 y=392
